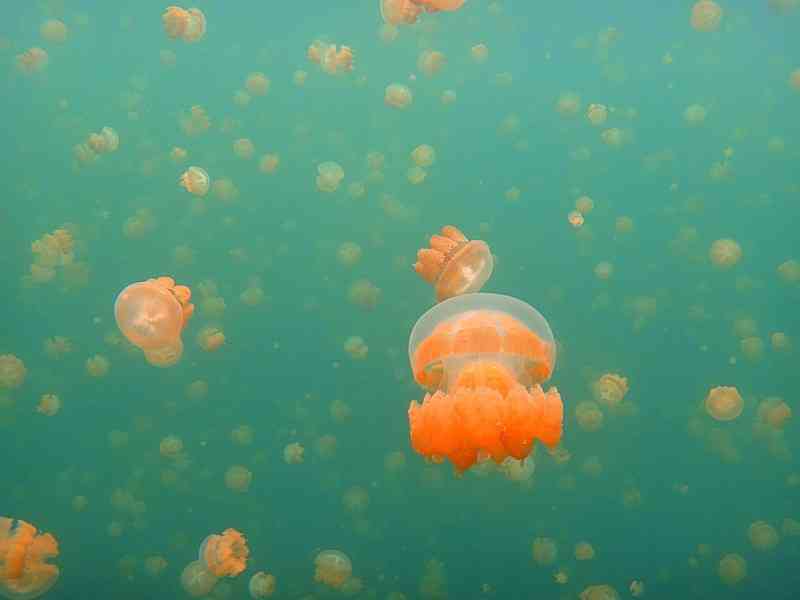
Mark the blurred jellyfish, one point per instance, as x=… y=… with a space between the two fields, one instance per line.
x=399 y=12
x=58 y=347
x=789 y=271
x=257 y=84
x=589 y=416
x=299 y=77
x=454 y=265
x=33 y=60
x=329 y=176
x=97 y=366
x=243 y=148
x=269 y=163
x=423 y=155
x=211 y=338
x=348 y=254
x=195 y=181
x=732 y=569
x=544 y=551
x=332 y=568
x=12 y=371
x=178 y=155
x=603 y=270
x=262 y=585
x=293 y=453
x=53 y=31
x=196 y=580
x=725 y=253
x=568 y=104
x=597 y=114
x=610 y=389
x=774 y=412
x=332 y=60
x=224 y=555
x=356 y=347
x=599 y=592
x=171 y=447
x=763 y=536
x=398 y=96
x=364 y=294
x=479 y=53
x=484 y=356
x=238 y=478
x=695 y=115
x=448 y=97
x=706 y=16
x=614 y=137
x=584 y=551
x=724 y=403
x=431 y=62
x=49 y=405
x=794 y=79
x=416 y=175
x=637 y=588
x=188 y=25
x=196 y=122
x=25 y=568
x=575 y=218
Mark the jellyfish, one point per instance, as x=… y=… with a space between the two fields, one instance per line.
x=257 y=84
x=49 y=405
x=33 y=60
x=695 y=114
x=597 y=114
x=356 y=347
x=195 y=181
x=348 y=254
x=479 y=53
x=152 y=314
x=54 y=31
x=97 y=366
x=589 y=416
x=398 y=96
x=763 y=536
x=244 y=148
x=584 y=551
x=706 y=16
x=484 y=356
x=724 y=403
x=188 y=25
x=329 y=175
x=794 y=79
x=238 y=478
x=423 y=155
x=12 y=371
x=333 y=568
x=725 y=253
x=211 y=338
x=293 y=453
x=262 y=585
x=269 y=163
x=224 y=555
x=399 y=12
x=575 y=219
x=454 y=265
x=25 y=568
x=544 y=551
x=732 y=569
x=568 y=104
x=610 y=389
x=196 y=580
x=599 y=592
x=431 y=62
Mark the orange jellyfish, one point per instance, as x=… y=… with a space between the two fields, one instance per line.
x=333 y=568
x=225 y=555
x=12 y=371
x=724 y=403
x=195 y=181
x=152 y=314
x=453 y=264
x=485 y=356
x=725 y=253
x=399 y=12
x=706 y=16
x=398 y=96
x=188 y=25
x=438 y=5
x=25 y=570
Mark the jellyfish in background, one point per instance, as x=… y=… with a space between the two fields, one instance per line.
x=25 y=570
x=399 y=12
x=453 y=264
x=484 y=356
x=195 y=181
x=332 y=60
x=186 y=24
x=224 y=555
x=151 y=315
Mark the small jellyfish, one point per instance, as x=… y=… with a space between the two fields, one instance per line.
x=399 y=12
x=12 y=371
x=584 y=551
x=423 y=155
x=725 y=253
x=454 y=265
x=262 y=585
x=224 y=555
x=195 y=181
x=188 y=25
x=257 y=84
x=763 y=536
x=597 y=114
x=431 y=62
x=484 y=357
x=238 y=478
x=398 y=96
x=448 y=97
x=49 y=405
x=269 y=163
x=97 y=366
x=25 y=568
x=479 y=53
x=568 y=104
x=293 y=454
x=364 y=294
x=589 y=416
x=610 y=389
x=171 y=447
x=33 y=60
x=706 y=16
x=329 y=176
x=356 y=347
x=724 y=403
x=637 y=588
x=575 y=219
x=732 y=569
x=603 y=270
x=794 y=79
x=196 y=580
x=544 y=551
x=333 y=568
x=348 y=254
x=211 y=338
x=243 y=148
x=599 y=592
x=54 y=31
x=695 y=115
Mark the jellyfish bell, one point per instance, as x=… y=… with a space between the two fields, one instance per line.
x=26 y=570
x=333 y=568
x=196 y=181
x=454 y=265
x=165 y=356
x=148 y=315
x=483 y=356
x=224 y=555
x=399 y=12
x=196 y=579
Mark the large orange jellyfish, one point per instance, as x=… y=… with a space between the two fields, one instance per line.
x=484 y=356
x=187 y=24
x=25 y=572
x=453 y=264
x=152 y=315
x=225 y=555
x=399 y=12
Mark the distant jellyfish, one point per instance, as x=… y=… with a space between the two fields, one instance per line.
x=763 y=536
x=293 y=453
x=12 y=372
x=695 y=115
x=604 y=270
x=154 y=566
x=329 y=175
x=774 y=412
x=171 y=447
x=725 y=253
x=575 y=218
x=454 y=265
x=416 y=175
x=257 y=84
x=349 y=254
x=364 y=294
x=613 y=137
x=724 y=403
x=448 y=97
x=356 y=347
x=732 y=569
x=483 y=357
x=299 y=78
x=262 y=585
x=53 y=31
x=195 y=181
x=479 y=53
x=584 y=204
x=243 y=148
x=269 y=163
x=600 y=591
x=752 y=348
x=188 y=25
x=49 y=405
x=398 y=96
x=584 y=551
x=789 y=271
x=706 y=16
x=589 y=416
x=97 y=366
x=238 y=478
x=399 y=12
x=423 y=155
x=544 y=551
x=332 y=568
x=637 y=588
x=226 y=554
x=26 y=568
x=211 y=338
x=196 y=580
x=178 y=154
x=568 y=104
x=33 y=60
x=794 y=79
x=610 y=389
x=597 y=114
x=431 y=62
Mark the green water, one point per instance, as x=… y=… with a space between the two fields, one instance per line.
x=675 y=490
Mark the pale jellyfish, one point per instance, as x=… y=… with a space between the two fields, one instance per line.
x=262 y=585
x=196 y=580
x=329 y=175
x=398 y=96
x=725 y=253
x=333 y=568
x=238 y=478
x=724 y=403
x=479 y=53
x=544 y=551
x=195 y=181
x=54 y=31
x=706 y=16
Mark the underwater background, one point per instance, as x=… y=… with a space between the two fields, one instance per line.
x=701 y=143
